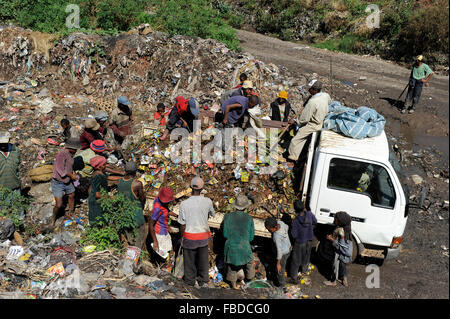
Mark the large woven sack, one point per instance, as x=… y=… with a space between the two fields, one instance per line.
x=41 y=174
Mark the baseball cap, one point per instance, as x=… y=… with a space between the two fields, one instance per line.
x=197 y=183
x=4 y=137
x=123 y=100
x=419 y=58
x=315 y=84
x=194 y=107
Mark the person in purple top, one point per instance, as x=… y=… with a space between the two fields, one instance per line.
x=302 y=233
x=63 y=177
x=235 y=108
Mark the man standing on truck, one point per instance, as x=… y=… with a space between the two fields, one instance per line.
x=420 y=74
x=310 y=120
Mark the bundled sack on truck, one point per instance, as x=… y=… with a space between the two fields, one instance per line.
x=357 y=123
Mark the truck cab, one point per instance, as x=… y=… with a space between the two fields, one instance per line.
x=356 y=176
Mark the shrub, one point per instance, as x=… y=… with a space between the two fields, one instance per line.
x=13 y=205
x=426 y=32
x=193 y=18
x=118 y=217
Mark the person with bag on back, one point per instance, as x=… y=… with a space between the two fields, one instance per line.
x=195 y=232
x=343 y=246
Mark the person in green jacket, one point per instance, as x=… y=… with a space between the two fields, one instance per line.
x=9 y=163
x=133 y=189
x=99 y=182
x=239 y=231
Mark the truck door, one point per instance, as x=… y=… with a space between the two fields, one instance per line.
x=365 y=191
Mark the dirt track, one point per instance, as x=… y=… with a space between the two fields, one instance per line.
x=421 y=271
x=385 y=81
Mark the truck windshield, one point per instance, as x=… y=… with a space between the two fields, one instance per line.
x=365 y=178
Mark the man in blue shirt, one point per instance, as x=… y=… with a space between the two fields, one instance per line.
x=236 y=107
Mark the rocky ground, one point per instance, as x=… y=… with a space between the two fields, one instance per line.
x=41 y=81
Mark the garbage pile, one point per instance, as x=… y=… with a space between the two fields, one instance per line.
x=43 y=81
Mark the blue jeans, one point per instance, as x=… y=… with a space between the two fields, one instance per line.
x=414 y=91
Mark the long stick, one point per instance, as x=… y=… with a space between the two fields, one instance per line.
x=284 y=130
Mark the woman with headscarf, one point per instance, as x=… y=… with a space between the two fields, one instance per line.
x=99 y=181
x=343 y=245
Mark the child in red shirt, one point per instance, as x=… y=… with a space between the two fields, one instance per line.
x=160 y=114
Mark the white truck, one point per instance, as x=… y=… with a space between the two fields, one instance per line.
x=362 y=178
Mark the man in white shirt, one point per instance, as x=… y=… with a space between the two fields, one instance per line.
x=310 y=120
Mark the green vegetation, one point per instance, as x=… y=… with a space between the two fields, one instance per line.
x=118 y=217
x=347 y=44
x=185 y=17
x=13 y=205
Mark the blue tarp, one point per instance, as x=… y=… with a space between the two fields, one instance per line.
x=356 y=123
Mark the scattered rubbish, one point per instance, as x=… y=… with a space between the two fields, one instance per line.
x=14 y=252
x=57 y=269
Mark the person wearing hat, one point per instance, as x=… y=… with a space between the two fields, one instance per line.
x=310 y=120
x=246 y=90
x=121 y=119
x=90 y=133
x=159 y=222
x=341 y=240
x=10 y=160
x=183 y=114
x=239 y=231
x=193 y=218
x=102 y=118
x=63 y=177
x=97 y=147
x=280 y=109
x=243 y=77
x=99 y=182
x=133 y=189
x=420 y=74
x=280 y=236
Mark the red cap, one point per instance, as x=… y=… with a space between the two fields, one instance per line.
x=165 y=195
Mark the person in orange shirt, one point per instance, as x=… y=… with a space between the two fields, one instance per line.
x=160 y=114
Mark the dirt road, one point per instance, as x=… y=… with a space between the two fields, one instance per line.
x=384 y=83
x=421 y=271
